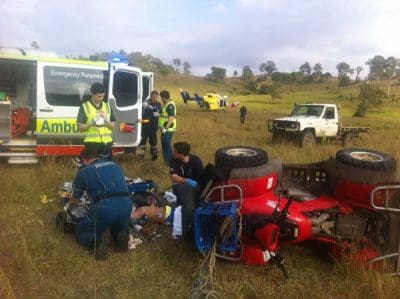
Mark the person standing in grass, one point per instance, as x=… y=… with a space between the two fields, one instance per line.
x=243 y=114
x=109 y=213
x=151 y=112
x=96 y=120
x=167 y=124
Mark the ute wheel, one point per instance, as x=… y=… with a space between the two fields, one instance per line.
x=351 y=139
x=366 y=159
x=240 y=157
x=307 y=139
x=275 y=138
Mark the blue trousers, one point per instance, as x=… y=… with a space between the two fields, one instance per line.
x=166 y=146
x=113 y=212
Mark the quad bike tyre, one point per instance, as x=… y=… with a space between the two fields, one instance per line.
x=366 y=159
x=246 y=167
x=240 y=157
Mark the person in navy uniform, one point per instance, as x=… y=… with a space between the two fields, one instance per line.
x=151 y=112
x=109 y=214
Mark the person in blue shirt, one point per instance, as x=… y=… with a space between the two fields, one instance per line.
x=109 y=214
x=186 y=171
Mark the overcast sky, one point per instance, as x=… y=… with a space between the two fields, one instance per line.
x=228 y=34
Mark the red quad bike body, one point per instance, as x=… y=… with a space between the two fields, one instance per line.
x=350 y=203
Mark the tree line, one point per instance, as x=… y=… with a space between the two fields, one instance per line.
x=146 y=62
x=379 y=68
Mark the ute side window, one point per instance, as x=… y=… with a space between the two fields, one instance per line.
x=125 y=89
x=66 y=86
x=329 y=113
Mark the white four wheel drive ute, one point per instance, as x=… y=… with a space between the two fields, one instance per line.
x=309 y=122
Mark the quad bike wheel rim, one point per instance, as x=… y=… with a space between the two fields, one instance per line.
x=366 y=156
x=241 y=152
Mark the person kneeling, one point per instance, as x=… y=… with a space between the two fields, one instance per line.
x=109 y=214
x=186 y=171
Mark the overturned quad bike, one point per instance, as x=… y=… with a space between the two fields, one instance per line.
x=350 y=203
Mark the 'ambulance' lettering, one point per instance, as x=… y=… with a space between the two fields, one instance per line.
x=63 y=127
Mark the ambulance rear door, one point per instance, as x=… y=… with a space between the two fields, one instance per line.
x=148 y=85
x=125 y=99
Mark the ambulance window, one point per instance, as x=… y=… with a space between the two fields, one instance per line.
x=66 y=86
x=125 y=88
x=146 y=88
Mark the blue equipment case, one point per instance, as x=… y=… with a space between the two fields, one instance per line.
x=142 y=186
x=207 y=223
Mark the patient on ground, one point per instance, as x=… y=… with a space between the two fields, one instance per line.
x=164 y=215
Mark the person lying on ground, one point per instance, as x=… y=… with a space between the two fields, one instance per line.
x=164 y=215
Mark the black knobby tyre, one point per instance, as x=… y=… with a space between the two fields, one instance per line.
x=240 y=157
x=307 y=139
x=366 y=159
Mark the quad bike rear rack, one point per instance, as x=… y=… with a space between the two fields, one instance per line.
x=221 y=190
x=389 y=191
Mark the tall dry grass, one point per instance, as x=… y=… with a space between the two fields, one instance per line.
x=36 y=261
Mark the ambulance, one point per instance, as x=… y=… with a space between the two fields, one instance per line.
x=40 y=95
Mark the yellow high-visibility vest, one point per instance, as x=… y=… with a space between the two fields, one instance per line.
x=164 y=118
x=98 y=134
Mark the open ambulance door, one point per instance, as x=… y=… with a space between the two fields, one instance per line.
x=148 y=85
x=125 y=99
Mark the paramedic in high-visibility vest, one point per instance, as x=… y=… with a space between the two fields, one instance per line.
x=96 y=120
x=167 y=124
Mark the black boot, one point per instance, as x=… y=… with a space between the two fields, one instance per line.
x=122 y=241
x=153 y=152
x=101 y=248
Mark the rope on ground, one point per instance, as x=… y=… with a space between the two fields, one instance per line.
x=203 y=286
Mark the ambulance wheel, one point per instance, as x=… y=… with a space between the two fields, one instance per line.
x=240 y=157
x=366 y=159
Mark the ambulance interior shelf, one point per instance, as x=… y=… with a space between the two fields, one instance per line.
x=5 y=120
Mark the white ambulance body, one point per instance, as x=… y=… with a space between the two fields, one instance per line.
x=53 y=90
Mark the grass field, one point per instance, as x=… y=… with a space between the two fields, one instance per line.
x=36 y=261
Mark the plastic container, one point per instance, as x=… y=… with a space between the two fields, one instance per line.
x=207 y=224
x=3 y=96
